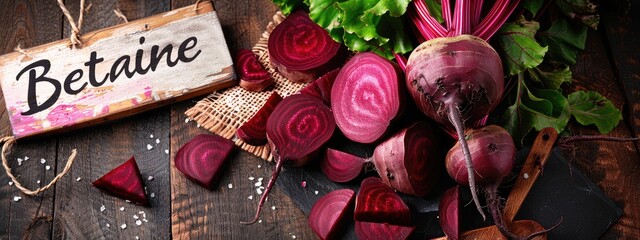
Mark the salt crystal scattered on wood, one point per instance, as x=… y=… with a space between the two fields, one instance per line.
x=123 y=226
x=259 y=191
x=273 y=207
x=42 y=160
x=526 y=176
x=151 y=136
x=149 y=147
x=38 y=182
x=138 y=222
x=150 y=178
x=251 y=178
x=153 y=195
x=258 y=184
x=260 y=221
x=250 y=197
x=26 y=158
x=260 y=179
x=121 y=208
x=47 y=167
x=135 y=216
x=108 y=225
x=186 y=120
x=259 y=166
x=10 y=183
x=166 y=151
x=16 y=198
x=137 y=238
x=316 y=192
x=157 y=141
x=230 y=185
x=78 y=179
x=102 y=208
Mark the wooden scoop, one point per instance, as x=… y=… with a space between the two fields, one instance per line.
x=532 y=168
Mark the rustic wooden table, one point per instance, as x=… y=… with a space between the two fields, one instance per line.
x=181 y=209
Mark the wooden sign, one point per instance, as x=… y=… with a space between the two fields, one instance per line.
x=119 y=71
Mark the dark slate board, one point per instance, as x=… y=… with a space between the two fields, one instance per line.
x=561 y=192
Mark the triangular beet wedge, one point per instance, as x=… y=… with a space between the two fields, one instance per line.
x=202 y=158
x=124 y=182
x=377 y=202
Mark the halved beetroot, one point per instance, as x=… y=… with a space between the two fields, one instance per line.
x=254 y=131
x=321 y=88
x=378 y=231
x=124 y=182
x=341 y=166
x=329 y=214
x=253 y=76
x=449 y=212
x=301 y=50
x=202 y=158
x=377 y=202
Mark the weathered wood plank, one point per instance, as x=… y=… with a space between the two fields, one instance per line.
x=78 y=205
x=148 y=62
x=27 y=23
x=201 y=214
x=612 y=166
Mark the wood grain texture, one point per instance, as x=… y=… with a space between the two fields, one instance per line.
x=102 y=148
x=27 y=23
x=612 y=166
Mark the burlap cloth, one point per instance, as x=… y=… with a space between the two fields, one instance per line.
x=224 y=112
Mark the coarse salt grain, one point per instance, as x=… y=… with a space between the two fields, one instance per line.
x=186 y=120
x=260 y=179
x=230 y=185
x=260 y=221
x=38 y=182
x=273 y=207
x=26 y=158
x=293 y=236
x=259 y=166
x=78 y=179
x=138 y=222
x=250 y=197
x=157 y=141
x=526 y=176
x=151 y=136
x=135 y=216
x=137 y=238
x=16 y=198
x=10 y=183
x=258 y=184
x=121 y=208
x=47 y=167
x=127 y=201
x=251 y=178
x=316 y=192
x=149 y=147
x=123 y=226
x=150 y=178
x=153 y=195
x=259 y=191
x=166 y=151
x=42 y=160
x=108 y=225
x=102 y=208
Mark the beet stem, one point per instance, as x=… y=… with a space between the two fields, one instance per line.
x=493 y=201
x=454 y=117
x=274 y=177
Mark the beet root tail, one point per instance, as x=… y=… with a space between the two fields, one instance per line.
x=267 y=190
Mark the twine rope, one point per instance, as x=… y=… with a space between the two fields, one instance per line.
x=74 y=37
x=6 y=148
x=121 y=15
x=196 y=8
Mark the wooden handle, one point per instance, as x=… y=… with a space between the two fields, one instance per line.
x=532 y=168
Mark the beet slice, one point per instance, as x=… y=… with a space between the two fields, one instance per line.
x=377 y=231
x=202 y=158
x=124 y=182
x=331 y=212
x=254 y=131
x=377 y=202
x=253 y=76
x=296 y=130
x=366 y=96
x=410 y=161
x=321 y=88
x=341 y=166
x=449 y=213
x=301 y=50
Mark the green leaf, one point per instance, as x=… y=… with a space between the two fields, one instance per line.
x=535 y=109
x=396 y=8
x=325 y=13
x=551 y=79
x=435 y=9
x=592 y=108
x=564 y=40
x=288 y=6
x=583 y=11
x=519 y=48
x=532 y=5
x=392 y=28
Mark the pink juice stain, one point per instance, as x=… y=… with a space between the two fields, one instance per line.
x=24 y=125
x=66 y=115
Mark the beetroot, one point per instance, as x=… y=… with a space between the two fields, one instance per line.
x=329 y=214
x=493 y=153
x=340 y=166
x=254 y=131
x=377 y=231
x=253 y=76
x=201 y=159
x=321 y=88
x=124 y=182
x=457 y=78
x=366 y=96
x=296 y=130
x=410 y=160
x=377 y=202
x=449 y=213
x=301 y=50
